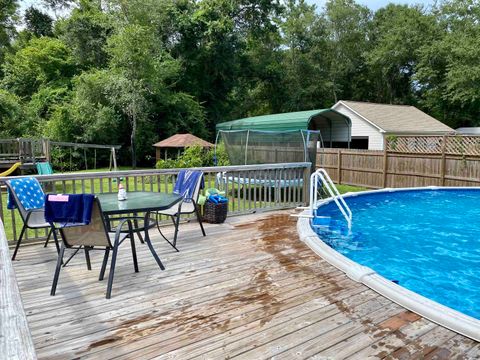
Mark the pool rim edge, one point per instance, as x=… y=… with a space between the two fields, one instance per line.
x=427 y=308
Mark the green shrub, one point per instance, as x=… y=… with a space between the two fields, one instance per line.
x=221 y=154
x=196 y=156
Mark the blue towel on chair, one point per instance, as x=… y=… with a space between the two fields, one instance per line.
x=186 y=181
x=28 y=191
x=71 y=209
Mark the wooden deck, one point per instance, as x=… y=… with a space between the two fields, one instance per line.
x=248 y=290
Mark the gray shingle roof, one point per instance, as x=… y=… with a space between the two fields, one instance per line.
x=398 y=118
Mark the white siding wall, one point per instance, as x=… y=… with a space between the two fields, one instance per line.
x=360 y=127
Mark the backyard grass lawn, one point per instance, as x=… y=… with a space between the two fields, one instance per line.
x=349 y=188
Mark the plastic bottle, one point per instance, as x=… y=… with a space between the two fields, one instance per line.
x=122 y=193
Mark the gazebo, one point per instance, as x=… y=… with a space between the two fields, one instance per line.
x=179 y=142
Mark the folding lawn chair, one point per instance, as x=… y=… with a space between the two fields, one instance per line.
x=94 y=236
x=26 y=195
x=188 y=184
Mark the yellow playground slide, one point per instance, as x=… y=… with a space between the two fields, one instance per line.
x=11 y=170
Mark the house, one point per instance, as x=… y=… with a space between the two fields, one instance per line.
x=371 y=122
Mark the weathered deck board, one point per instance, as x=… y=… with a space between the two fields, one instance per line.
x=249 y=290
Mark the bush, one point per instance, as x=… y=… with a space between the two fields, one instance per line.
x=222 y=156
x=195 y=156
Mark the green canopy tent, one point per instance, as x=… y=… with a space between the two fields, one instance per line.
x=335 y=128
x=288 y=137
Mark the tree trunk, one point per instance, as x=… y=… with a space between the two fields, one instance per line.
x=132 y=141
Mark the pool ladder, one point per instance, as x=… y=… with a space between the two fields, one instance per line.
x=320 y=177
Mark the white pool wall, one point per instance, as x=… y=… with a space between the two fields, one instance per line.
x=429 y=309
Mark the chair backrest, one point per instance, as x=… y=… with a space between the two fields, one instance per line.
x=12 y=187
x=93 y=234
x=198 y=185
x=189 y=183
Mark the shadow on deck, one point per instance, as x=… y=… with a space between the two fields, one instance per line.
x=250 y=289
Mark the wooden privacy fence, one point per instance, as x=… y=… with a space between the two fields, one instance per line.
x=407 y=161
x=249 y=188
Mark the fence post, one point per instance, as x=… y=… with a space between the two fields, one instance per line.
x=20 y=150
x=46 y=149
x=443 y=163
x=306 y=187
x=385 y=160
x=339 y=166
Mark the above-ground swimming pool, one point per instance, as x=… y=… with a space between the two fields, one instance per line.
x=425 y=240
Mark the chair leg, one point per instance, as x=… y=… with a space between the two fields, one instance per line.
x=112 y=269
x=199 y=218
x=57 y=270
x=164 y=237
x=55 y=238
x=104 y=264
x=140 y=237
x=134 y=253
x=149 y=243
x=19 y=241
x=177 y=223
x=87 y=257
x=48 y=237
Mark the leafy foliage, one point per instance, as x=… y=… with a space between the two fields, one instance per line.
x=196 y=156
x=37 y=22
x=134 y=72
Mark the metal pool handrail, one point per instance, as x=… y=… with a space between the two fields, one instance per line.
x=322 y=176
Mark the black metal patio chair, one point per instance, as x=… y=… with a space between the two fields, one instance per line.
x=190 y=192
x=95 y=236
x=32 y=218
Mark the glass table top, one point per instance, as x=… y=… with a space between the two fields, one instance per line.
x=137 y=201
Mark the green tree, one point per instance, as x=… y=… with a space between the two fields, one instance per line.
x=305 y=68
x=10 y=114
x=58 y=5
x=398 y=32
x=44 y=61
x=8 y=18
x=37 y=22
x=448 y=73
x=347 y=28
x=86 y=31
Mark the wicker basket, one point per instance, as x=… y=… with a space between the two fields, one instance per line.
x=215 y=213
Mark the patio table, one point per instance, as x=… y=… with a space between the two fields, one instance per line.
x=139 y=202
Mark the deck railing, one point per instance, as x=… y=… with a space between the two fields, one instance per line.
x=15 y=338
x=249 y=188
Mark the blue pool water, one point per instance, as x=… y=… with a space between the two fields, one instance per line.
x=427 y=240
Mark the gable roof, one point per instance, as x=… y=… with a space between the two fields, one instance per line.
x=397 y=118
x=183 y=140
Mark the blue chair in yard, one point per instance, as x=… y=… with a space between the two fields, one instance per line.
x=26 y=195
x=81 y=223
x=188 y=184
